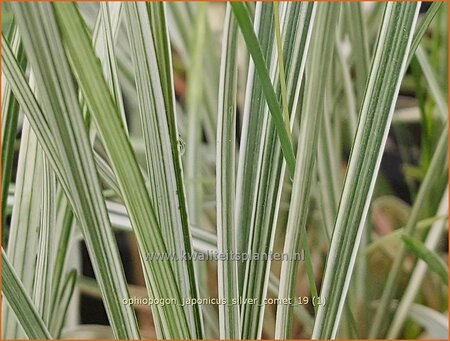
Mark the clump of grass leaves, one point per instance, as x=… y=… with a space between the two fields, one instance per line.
x=244 y=159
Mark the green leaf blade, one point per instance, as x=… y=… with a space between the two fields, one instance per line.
x=21 y=303
x=434 y=262
x=379 y=100
x=243 y=17
x=79 y=179
x=228 y=284
x=159 y=274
